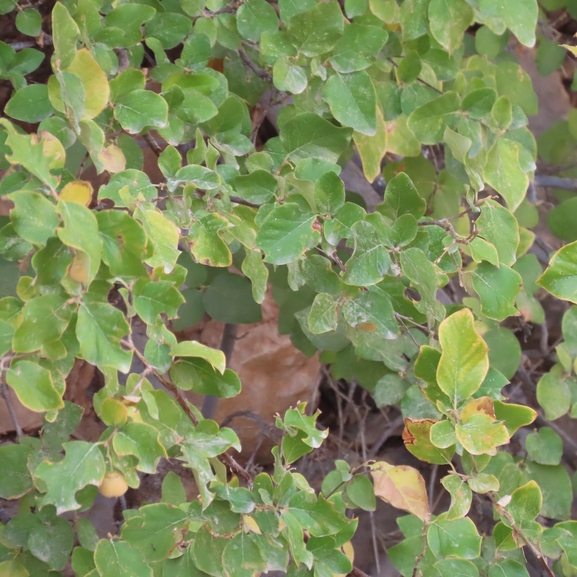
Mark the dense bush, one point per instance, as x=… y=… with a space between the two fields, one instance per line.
x=429 y=82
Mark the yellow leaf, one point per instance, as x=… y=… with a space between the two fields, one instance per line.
x=481 y=405
x=77 y=269
x=572 y=49
x=251 y=525
x=403 y=487
x=94 y=81
x=78 y=191
x=372 y=148
x=112 y=158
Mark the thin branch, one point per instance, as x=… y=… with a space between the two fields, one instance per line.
x=152 y=144
x=226 y=346
x=250 y=64
x=556 y=182
x=46 y=40
x=5 y=395
x=244 y=202
x=389 y=431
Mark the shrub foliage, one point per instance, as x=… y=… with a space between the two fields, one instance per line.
x=190 y=79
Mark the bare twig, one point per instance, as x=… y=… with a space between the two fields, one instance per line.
x=5 y=395
x=556 y=182
x=388 y=432
x=250 y=64
x=46 y=40
x=153 y=145
x=226 y=346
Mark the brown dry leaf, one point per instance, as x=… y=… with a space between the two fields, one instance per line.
x=403 y=487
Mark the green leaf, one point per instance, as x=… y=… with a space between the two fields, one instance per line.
x=242 y=556
x=497 y=289
x=504 y=351
x=142 y=441
x=287 y=233
x=37 y=156
x=34 y=217
x=508 y=568
x=323 y=315
x=461 y=496
x=30 y=103
x=372 y=148
x=361 y=492
x=83 y=465
x=353 y=101
x=448 y=20
x=123 y=243
x=370 y=261
x=195 y=349
x=401 y=197
x=329 y=194
x=229 y=299
x=308 y=135
x=525 y=504
x=428 y=122
x=317 y=30
x=413 y=18
x=29 y=22
x=34 y=386
x=81 y=233
x=141 y=109
x=498 y=226
x=255 y=17
x=357 y=47
x=373 y=307
x=205 y=243
x=99 y=329
x=156 y=530
x=423 y=276
x=45 y=320
x=560 y=278
x=520 y=16
x=165 y=236
x=545 y=446
x=464 y=361
x=119 y=559
x=514 y=416
x=257 y=187
x=65 y=33
x=457 y=567
x=504 y=173
x=254 y=268
x=157 y=298
x=418 y=441
x=15 y=481
x=457 y=538
x=288 y=77
x=200 y=377
x=52 y=542
x=554 y=395
x=555 y=485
